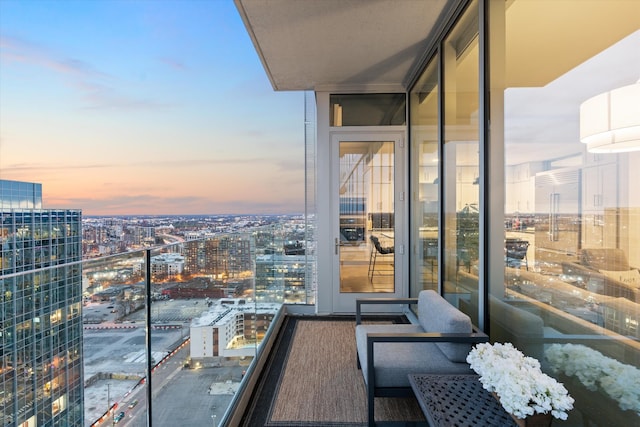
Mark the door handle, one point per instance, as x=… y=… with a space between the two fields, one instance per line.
x=336 y=246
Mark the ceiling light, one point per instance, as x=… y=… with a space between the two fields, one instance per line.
x=610 y=122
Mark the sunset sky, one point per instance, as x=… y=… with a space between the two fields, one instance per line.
x=145 y=107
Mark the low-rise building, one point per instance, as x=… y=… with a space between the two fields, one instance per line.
x=232 y=327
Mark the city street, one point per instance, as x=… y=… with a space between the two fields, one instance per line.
x=114 y=359
x=181 y=396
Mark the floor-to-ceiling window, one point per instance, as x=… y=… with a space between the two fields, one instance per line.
x=564 y=76
x=564 y=150
x=425 y=178
x=460 y=157
x=445 y=168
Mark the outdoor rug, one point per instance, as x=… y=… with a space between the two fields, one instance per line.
x=313 y=380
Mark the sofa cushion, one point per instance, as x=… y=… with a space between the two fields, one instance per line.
x=604 y=259
x=435 y=314
x=363 y=330
x=395 y=361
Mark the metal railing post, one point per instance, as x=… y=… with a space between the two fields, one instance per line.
x=148 y=335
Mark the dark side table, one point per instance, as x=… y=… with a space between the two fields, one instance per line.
x=457 y=400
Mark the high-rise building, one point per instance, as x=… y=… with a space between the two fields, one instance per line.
x=41 y=379
x=20 y=195
x=280 y=277
x=143 y=235
x=223 y=256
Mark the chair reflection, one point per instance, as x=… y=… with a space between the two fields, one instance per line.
x=516 y=253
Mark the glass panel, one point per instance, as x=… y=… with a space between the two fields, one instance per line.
x=461 y=162
x=371 y=109
x=367 y=217
x=114 y=350
x=202 y=290
x=213 y=301
x=572 y=209
x=310 y=217
x=425 y=181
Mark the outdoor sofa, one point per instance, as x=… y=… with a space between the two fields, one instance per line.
x=437 y=344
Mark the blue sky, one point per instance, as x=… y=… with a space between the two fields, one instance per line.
x=145 y=107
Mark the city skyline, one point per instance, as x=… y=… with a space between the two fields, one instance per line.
x=145 y=108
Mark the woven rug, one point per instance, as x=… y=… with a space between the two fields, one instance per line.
x=319 y=383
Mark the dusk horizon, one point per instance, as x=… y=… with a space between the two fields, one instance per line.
x=193 y=215
x=155 y=108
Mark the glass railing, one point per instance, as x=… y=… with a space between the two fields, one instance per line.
x=161 y=336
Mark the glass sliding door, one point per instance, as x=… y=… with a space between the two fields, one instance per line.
x=461 y=163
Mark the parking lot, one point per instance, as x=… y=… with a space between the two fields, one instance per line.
x=98 y=312
x=168 y=311
x=114 y=362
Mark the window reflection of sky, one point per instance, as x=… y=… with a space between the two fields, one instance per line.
x=544 y=121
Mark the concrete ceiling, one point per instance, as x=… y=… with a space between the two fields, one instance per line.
x=555 y=56
x=341 y=45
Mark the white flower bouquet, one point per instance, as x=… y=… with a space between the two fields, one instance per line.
x=597 y=371
x=518 y=381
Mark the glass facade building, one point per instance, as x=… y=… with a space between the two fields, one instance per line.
x=20 y=195
x=41 y=381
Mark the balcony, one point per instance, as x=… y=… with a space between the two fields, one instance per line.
x=141 y=339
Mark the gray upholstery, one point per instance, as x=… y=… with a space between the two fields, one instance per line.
x=397 y=350
x=437 y=315
x=394 y=361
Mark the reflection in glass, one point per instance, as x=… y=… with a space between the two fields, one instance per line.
x=425 y=181
x=461 y=160
x=572 y=222
x=367 y=109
